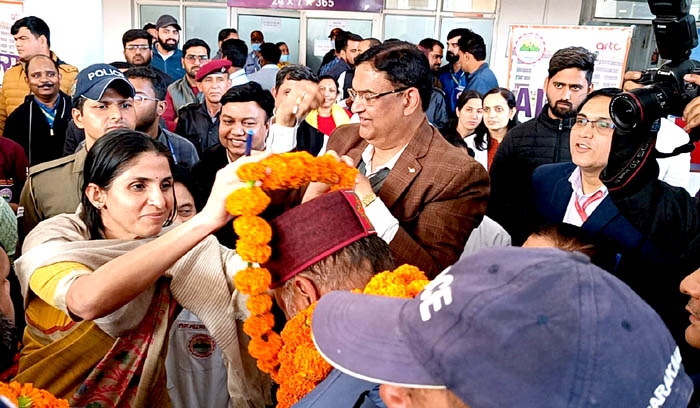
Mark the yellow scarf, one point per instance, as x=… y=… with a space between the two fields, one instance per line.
x=340 y=117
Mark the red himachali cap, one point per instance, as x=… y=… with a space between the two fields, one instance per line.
x=214 y=67
x=314 y=230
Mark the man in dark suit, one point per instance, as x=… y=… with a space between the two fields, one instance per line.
x=422 y=195
x=573 y=193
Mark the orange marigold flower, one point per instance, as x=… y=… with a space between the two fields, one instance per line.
x=269 y=366
x=10 y=391
x=265 y=347
x=247 y=201
x=259 y=304
x=252 y=281
x=252 y=252
x=253 y=229
x=396 y=283
x=416 y=287
x=346 y=178
x=252 y=172
x=259 y=324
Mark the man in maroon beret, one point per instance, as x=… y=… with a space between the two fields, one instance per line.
x=323 y=245
x=199 y=122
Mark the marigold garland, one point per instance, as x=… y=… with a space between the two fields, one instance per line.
x=26 y=396
x=281 y=171
x=291 y=358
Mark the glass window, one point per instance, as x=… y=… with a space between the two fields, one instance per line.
x=409 y=28
x=317 y=42
x=149 y=14
x=484 y=6
x=483 y=27
x=274 y=29
x=622 y=9
x=412 y=4
x=204 y=23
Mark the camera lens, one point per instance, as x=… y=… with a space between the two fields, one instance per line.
x=625 y=111
x=633 y=108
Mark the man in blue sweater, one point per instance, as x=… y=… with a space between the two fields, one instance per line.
x=472 y=60
x=167 y=58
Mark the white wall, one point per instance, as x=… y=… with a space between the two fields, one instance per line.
x=549 y=12
x=117 y=16
x=76 y=28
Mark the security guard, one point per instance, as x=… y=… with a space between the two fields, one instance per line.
x=103 y=101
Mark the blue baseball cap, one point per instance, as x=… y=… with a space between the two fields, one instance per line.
x=511 y=327
x=92 y=82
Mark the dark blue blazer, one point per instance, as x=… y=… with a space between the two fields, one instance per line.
x=553 y=191
x=648 y=270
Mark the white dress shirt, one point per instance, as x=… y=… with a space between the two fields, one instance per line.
x=572 y=216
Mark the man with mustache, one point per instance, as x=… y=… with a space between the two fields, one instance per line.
x=541 y=140
x=39 y=124
x=199 y=122
x=167 y=58
x=32 y=37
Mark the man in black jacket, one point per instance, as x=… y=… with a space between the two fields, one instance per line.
x=245 y=110
x=199 y=122
x=667 y=216
x=39 y=124
x=541 y=140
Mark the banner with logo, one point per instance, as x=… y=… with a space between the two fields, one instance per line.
x=373 y=6
x=531 y=47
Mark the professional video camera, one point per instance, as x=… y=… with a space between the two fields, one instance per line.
x=665 y=92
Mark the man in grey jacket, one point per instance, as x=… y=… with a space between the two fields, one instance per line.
x=184 y=91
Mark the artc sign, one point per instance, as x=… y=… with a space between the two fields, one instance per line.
x=373 y=6
x=531 y=47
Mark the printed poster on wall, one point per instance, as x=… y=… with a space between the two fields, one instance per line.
x=531 y=47
x=10 y=11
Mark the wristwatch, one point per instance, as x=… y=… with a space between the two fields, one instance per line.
x=368 y=199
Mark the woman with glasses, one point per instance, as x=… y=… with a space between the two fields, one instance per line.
x=98 y=303
x=329 y=114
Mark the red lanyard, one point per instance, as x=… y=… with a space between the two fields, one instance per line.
x=581 y=209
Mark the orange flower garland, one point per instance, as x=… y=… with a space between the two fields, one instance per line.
x=291 y=359
x=282 y=171
x=26 y=396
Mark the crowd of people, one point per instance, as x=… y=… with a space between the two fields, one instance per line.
x=563 y=257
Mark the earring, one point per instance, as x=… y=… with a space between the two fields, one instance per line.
x=98 y=206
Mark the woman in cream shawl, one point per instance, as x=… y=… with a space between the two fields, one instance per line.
x=101 y=286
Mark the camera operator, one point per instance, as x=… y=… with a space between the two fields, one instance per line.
x=666 y=216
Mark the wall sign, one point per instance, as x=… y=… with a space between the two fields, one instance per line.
x=10 y=11
x=373 y=6
x=531 y=47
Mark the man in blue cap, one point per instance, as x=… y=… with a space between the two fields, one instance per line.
x=507 y=327
x=103 y=101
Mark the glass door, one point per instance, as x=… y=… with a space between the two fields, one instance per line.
x=320 y=24
x=276 y=26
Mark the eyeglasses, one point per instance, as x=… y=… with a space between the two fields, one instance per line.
x=138 y=99
x=137 y=47
x=201 y=58
x=370 y=97
x=602 y=126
